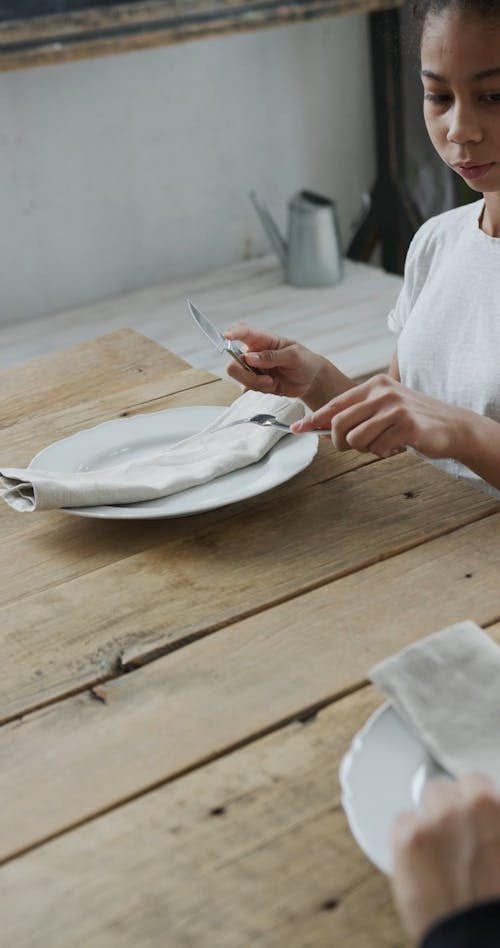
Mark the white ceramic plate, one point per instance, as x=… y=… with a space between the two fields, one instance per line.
x=128 y=439
x=383 y=773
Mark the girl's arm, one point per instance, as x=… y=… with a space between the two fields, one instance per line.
x=381 y=416
x=478 y=443
x=478 y=447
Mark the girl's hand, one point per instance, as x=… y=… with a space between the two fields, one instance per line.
x=381 y=416
x=447 y=856
x=285 y=367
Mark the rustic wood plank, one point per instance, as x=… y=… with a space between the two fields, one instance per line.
x=45 y=549
x=201 y=701
x=109 y=363
x=125 y=27
x=145 y=13
x=252 y=850
x=42 y=551
x=76 y=632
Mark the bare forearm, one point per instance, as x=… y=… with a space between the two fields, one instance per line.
x=478 y=446
x=328 y=383
x=331 y=382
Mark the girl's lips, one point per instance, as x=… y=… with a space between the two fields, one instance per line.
x=473 y=172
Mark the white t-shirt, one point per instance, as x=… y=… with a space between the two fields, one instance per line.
x=448 y=318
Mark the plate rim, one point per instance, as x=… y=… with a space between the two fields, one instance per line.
x=136 y=512
x=345 y=766
x=117 y=421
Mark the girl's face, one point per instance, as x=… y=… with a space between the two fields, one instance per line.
x=461 y=77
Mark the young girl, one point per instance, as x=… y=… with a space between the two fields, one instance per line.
x=441 y=395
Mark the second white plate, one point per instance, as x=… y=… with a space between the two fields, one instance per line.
x=128 y=439
x=382 y=774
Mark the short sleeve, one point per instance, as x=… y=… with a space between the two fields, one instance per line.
x=398 y=316
x=416 y=269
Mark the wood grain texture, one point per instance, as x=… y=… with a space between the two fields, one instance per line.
x=199 y=574
x=43 y=550
x=161 y=797
x=199 y=702
x=252 y=850
x=68 y=377
x=124 y=27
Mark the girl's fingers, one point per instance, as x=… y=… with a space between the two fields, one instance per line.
x=354 y=428
x=268 y=358
x=347 y=402
x=366 y=418
x=258 y=383
x=483 y=803
x=388 y=443
x=439 y=796
x=404 y=830
x=357 y=427
x=380 y=392
x=474 y=783
x=255 y=339
x=376 y=392
x=317 y=419
x=366 y=434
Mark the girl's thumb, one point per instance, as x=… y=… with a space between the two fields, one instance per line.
x=265 y=359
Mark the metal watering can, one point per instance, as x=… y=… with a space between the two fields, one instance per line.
x=312 y=255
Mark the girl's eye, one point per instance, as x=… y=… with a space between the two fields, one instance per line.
x=492 y=97
x=437 y=99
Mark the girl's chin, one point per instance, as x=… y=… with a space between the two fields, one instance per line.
x=475 y=186
x=483 y=188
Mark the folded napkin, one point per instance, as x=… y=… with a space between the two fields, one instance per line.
x=195 y=460
x=447 y=689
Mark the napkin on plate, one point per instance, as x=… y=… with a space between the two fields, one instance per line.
x=446 y=687
x=195 y=460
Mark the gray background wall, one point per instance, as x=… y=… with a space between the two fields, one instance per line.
x=134 y=169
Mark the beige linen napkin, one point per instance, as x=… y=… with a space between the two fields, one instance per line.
x=447 y=689
x=195 y=460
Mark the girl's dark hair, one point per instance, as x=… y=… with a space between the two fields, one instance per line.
x=421 y=9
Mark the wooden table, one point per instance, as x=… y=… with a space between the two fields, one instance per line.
x=176 y=694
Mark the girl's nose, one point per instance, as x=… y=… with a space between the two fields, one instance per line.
x=464 y=125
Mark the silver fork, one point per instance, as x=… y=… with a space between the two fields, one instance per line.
x=267 y=421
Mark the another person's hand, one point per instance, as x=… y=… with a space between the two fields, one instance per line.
x=447 y=856
x=381 y=415
x=285 y=367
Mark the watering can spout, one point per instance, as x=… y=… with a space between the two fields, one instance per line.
x=271 y=229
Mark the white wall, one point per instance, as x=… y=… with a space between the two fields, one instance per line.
x=134 y=169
